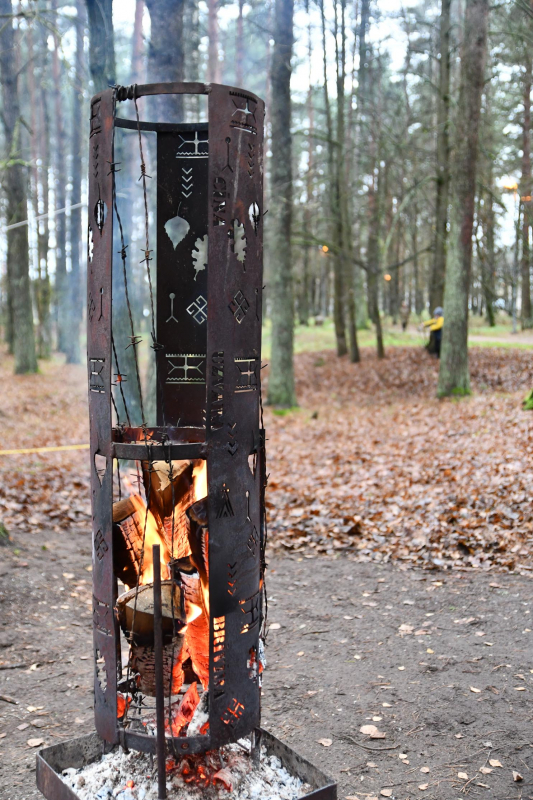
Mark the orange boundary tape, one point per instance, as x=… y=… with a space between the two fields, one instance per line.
x=29 y=450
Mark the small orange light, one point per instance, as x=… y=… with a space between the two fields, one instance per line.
x=325 y=248
x=388 y=277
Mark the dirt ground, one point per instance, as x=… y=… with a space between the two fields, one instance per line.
x=370 y=480
x=439 y=662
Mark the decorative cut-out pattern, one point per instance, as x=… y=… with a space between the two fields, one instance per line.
x=101 y=671
x=217 y=390
x=185 y=367
x=252 y=463
x=96 y=120
x=186 y=181
x=251 y=609
x=91 y=308
x=90 y=245
x=177 y=229
x=232 y=578
x=233 y=713
x=219 y=201
x=228 y=165
x=96 y=377
x=100 y=465
x=232 y=444
x=251 y=159
x=253 y=664
x=101 y=614
x=171 y=318
x=254 y=215
x=239 y=306
x=100 y=545
x=199 y=255
x=100 y=214
x=238 y=241
x=247 y=380
x=226 y=509
x=242 y=116
x=219 y=655
x=194 y=144
x=198 y=309
x=253 y=541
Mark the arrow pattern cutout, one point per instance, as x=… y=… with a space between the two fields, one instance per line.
x=232 y=444
x=251 y=159
x=232 y=578
x=186 y=181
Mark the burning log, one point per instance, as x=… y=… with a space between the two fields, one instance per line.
x=135 y=530
x=185 y=712
x=136 y=616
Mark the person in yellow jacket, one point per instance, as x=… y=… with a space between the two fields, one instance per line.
x=435 y=325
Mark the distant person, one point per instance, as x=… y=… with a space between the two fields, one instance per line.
x=404 y=315
x=435 y=331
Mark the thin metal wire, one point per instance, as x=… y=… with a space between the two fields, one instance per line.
x=119 y=374
x=147 y=251
x=134 y=340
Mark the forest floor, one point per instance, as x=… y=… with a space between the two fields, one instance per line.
x=399 y=556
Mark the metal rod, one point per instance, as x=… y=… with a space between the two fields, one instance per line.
x=159 y=688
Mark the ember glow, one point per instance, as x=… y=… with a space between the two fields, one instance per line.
x=152 y=536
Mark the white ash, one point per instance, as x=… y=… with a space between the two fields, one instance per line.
x=106 y=778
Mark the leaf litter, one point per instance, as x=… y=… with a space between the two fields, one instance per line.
x=384 y=471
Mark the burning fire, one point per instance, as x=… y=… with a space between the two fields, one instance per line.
x=152 y=535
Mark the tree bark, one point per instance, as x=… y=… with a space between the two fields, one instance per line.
x=334 y=211
x=454 y=377
x=239 y=47
x=438 y=267
x=213 y=63
x=75 y=294
x=101 y=44
x=60 y=183
x=15 y=187
x=525 y=192
x=281 y=380
x=165 y=55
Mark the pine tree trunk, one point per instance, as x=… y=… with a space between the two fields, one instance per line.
x=454 y=377
x=101 y=44
x=525 y=191
x=60 y=183
x=239 y=47
x=75 y=293
x=438 y=267
x=334 y=210
x=15 y=187
x=165 y=55
x=281 y=379
x=213 y=63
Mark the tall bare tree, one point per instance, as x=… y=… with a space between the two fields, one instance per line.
x=525 y=189
x=102 y=43
x=213 y=62
x=438 y=267
x=281 y=381
x=454 y=376
x=165 y=54
x=15 y=188
x=75 y=293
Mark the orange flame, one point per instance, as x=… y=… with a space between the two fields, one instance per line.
x=199 y=475
x=152 y=535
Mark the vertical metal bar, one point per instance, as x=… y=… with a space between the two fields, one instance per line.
x=159 y=688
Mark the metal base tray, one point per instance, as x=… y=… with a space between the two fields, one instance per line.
x=51 y=761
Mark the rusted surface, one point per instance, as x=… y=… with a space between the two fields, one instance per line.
x=207 y=350
x=51 y=761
